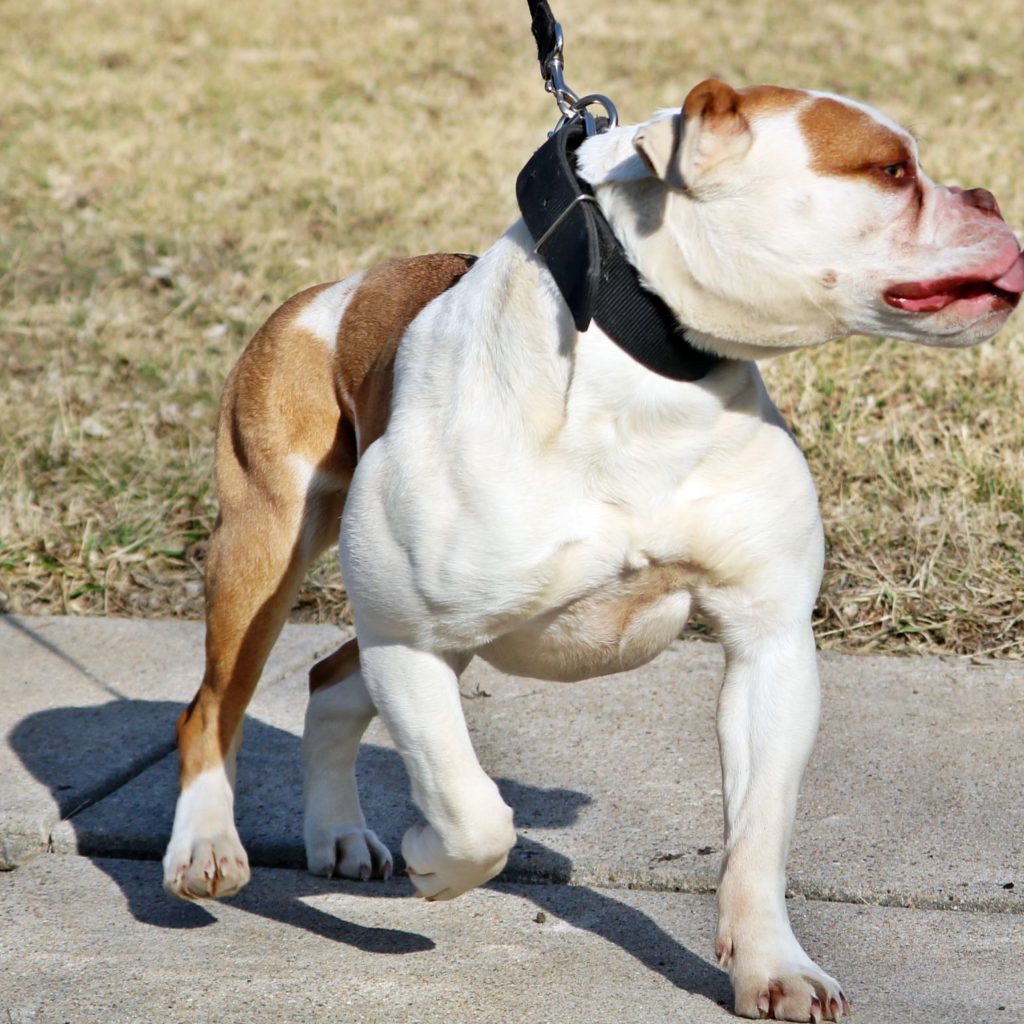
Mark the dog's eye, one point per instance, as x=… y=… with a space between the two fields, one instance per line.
x=895 y=171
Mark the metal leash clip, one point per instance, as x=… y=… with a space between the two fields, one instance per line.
x=569 y=103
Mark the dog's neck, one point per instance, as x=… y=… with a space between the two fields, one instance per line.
x=688 y=258
x=568 y=378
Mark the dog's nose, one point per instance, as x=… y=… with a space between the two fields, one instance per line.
x=980 y=199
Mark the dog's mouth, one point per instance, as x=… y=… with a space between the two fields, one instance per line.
x=1001 y=288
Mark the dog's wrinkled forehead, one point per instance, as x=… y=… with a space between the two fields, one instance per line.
x=843 y=137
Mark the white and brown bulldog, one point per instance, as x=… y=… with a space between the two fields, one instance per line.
x=520 y=491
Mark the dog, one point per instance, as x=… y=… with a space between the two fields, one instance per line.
x=522 y=491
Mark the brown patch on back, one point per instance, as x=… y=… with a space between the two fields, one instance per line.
x=279 y=399
x=387 y=300
x=844 y=140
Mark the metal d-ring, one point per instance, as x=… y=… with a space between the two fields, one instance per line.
x=590 y=123
x=583 y=102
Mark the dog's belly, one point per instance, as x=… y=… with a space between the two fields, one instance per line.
x=620 y=626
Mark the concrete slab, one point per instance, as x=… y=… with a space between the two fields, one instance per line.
x=98 y=941
x=85 y=704
x=913 y=796
x=908 y=799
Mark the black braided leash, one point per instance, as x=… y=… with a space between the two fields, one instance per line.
x=575 y=240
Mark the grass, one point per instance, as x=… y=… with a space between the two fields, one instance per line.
x=172 y=172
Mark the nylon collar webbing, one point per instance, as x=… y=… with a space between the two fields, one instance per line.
x=575 y=240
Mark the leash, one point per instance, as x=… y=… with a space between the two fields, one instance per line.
x=550 y=42
x=574 y=238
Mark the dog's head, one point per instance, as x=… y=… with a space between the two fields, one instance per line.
x=773 y=218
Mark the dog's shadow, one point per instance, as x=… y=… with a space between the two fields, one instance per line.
x=125 y=832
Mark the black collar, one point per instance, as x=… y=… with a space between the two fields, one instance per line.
x=585 y=258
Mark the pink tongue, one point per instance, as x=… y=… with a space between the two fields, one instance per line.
x=928 y=304
x=1013 y=279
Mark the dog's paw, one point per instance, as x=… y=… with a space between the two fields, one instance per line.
x=797 y=991
x=206 y=868
x=442 y=875
x=347 y=852
x=795 y=995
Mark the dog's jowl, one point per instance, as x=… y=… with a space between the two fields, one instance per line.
x=514 y=489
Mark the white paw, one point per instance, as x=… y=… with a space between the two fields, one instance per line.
x=205 y=858
x=791 y=988
x=439 y=874
x=795 y=993
x=347 y=851
x=206 y=868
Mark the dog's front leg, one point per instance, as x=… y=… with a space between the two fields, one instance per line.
x=767 y=721
x=468 y=830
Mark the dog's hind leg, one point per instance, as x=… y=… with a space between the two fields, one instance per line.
x=339 y=710
x=287 y=446
x=284 y=463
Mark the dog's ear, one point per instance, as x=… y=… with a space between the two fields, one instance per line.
x=716 y=129
x=710 y=130
x=658 y=144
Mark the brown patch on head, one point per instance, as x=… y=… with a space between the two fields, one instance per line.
x=762 y=100
x=387 y=300
x=846 y=141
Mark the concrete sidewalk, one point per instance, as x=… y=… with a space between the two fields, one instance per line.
x=906 y=871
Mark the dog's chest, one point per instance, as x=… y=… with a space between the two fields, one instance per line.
x=618 y=626
x=559 y=554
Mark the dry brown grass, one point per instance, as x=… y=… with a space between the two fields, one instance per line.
x=172 y=172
